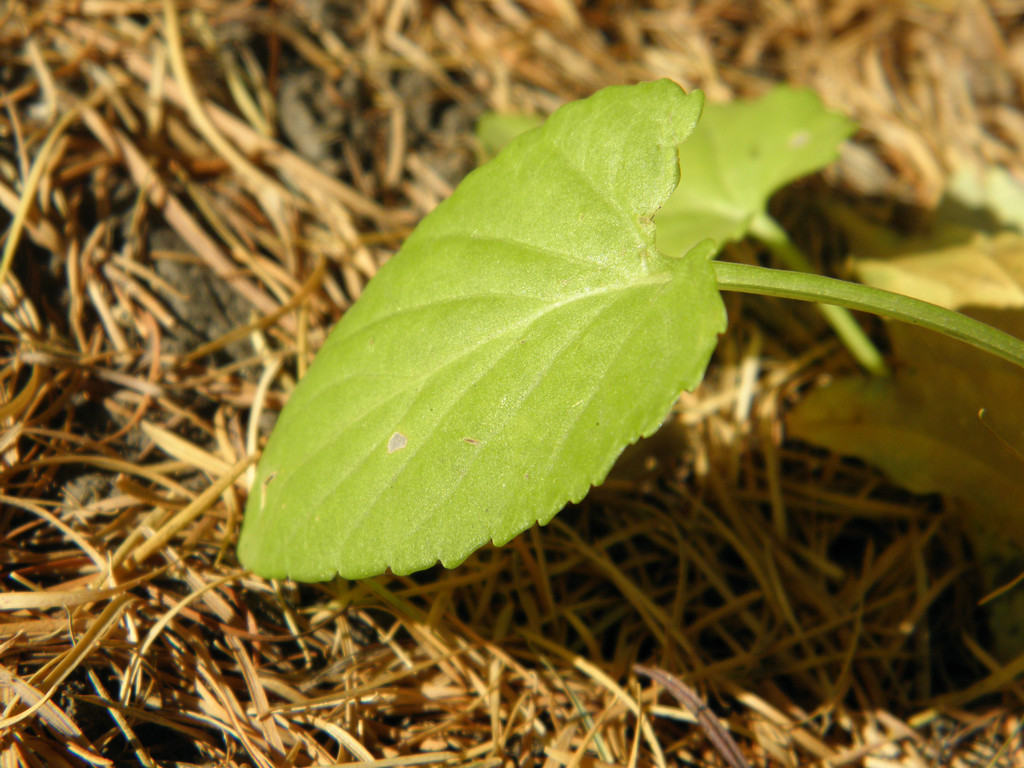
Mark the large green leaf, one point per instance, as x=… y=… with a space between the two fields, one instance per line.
x=739 y=156
x=492 y=371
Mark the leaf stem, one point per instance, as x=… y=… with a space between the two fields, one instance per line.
x=828 y=290
x=768 y=231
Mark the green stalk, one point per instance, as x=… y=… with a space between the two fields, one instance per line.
x=807 y=286
x=767 y=230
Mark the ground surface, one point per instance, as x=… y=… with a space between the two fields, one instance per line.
x=193 y=194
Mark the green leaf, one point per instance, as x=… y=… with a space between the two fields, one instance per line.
x=492 y=371
x=494 y=130
x=739 y=156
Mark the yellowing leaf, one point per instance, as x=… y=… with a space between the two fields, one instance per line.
x=984 y=271
x=923 y=429
x=989 y=195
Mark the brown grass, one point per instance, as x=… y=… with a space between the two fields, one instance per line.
x=825 y=616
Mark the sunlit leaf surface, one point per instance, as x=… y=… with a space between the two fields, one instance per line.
x=492 y=371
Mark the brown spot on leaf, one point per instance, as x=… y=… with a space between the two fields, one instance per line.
x=263 y=487
x=397 y=442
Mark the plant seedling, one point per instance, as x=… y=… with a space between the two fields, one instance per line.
x=528 y=330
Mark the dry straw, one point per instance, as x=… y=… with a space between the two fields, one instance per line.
x=195 y=191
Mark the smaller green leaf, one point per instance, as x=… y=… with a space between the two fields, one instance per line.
x=496 y=129
x=740 y=154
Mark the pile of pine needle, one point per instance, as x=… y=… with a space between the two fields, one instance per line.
x=193 y=192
